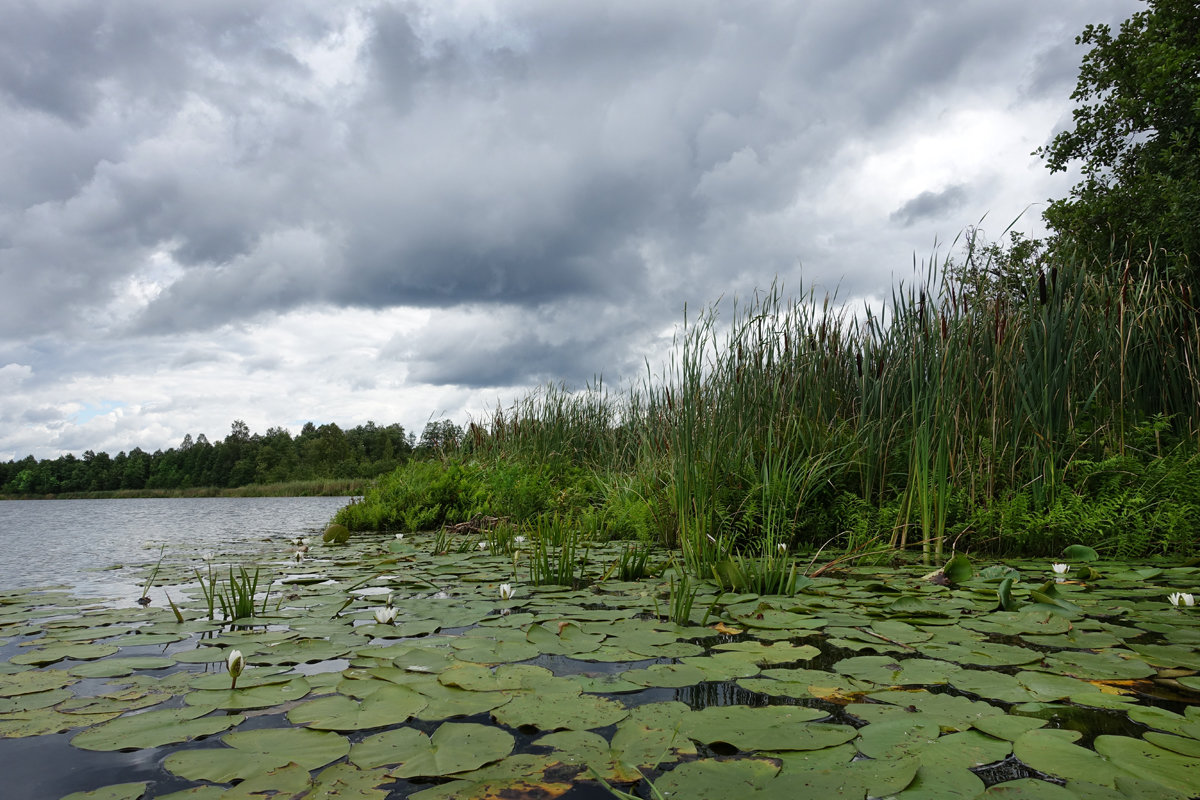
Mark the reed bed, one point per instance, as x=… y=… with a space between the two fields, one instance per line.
x=964 y=414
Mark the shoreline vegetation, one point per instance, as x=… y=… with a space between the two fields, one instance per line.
x=1014 y=417
x=346 y=487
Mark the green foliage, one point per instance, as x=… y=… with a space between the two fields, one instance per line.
x=1136 y=134
x=336 y=534
x=242 y=459
x=558 y=551
x=235 y=597
x=1016 y=418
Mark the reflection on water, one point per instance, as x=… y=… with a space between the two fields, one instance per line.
x=74 y=543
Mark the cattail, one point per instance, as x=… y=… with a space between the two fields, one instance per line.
x=858 y=363
x=942 y=319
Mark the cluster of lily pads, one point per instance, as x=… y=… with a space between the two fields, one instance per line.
x=383 y=670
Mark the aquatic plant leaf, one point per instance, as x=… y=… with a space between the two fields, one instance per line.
x=958 y=569
x=1145 y=760
x=117 y=791
x=449 y=701
x=885 y=670
x=507 y=677
x=117 y=667
x=523 y=775
x=347 y=782
x=774 y=653
x=34 y=680
x=52 y=653
x=857 y=779
x=389 y=705
x=453 y=747
x=1169 y=655
x=253 y=752
x=1029 y=789
x=155 y=729
x=266 y=695
x=949 y=712
x=1106 y=665
x=1080 y=552
x=666 y=675
x=981 y=654
x=1055 y=753
x=897 y=736
x=1183 y=745
x=45 y=721
x=34 y=701
x=251 y=676
x=1008 y=726
x=768 y=728
x=709 y=779
x=965 y=749
x=941 y=783
x=560 y=710
x=563 y=638
x=1005 y=597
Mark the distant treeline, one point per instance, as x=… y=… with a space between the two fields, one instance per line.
x=241 y=459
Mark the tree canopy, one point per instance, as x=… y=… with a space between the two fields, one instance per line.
x=1137 y=135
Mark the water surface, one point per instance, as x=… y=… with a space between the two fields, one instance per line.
x=77 y=543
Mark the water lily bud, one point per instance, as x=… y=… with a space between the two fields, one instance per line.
x=483 y=545
x=236 y=662
x=506 y=591
x=781 y=547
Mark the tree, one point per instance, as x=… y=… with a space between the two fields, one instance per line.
x=1137 y=133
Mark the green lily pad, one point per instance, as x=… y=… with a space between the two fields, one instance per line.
x=117 y=791
x=769 y=728
x=267 y=695
x=53 y=653
x=1053 y=752
x=1143 y=759
x=252 y=752
x=34 y=680
x=453 y=747
x=556 y=710
x=710 y=779
x=155 y=729
x=116 y=667
x=388 y=705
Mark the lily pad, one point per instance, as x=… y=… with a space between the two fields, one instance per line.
x=252 y=752
x=453 y=747
x=155 y=729
x=769 y=728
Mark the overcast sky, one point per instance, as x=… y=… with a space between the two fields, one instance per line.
x=348 y=211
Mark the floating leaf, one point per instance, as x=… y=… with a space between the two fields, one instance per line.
x=252 y=752
x=154 y=729
x=769 y=728
x=117 y=791
x=453 y=747
x=1079 y=552
x=388 y=705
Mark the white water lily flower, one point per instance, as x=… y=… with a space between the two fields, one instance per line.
x=506 y=591
x=236 y=662
x=385 y=615
x=208 y=555
x=1181 y=599
x=519 y=540
x=781 y=547
x=399 y=536
x=1060 y=569
x=483 y=545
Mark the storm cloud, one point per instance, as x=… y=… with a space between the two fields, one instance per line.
x=398 y=210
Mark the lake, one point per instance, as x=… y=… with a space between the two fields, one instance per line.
x=77 y=543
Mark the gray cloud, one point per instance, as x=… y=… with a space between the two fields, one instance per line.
x=929 y=204
x=559 y=178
